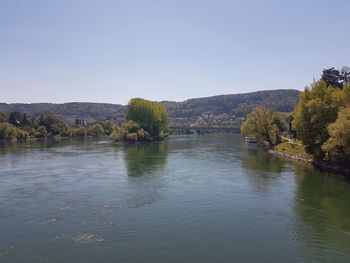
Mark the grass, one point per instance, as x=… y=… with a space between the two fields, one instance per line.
x=293 y=149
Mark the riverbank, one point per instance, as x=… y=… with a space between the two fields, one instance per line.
x=297 y=153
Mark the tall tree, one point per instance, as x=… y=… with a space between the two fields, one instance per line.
x=332 y=77
x=264 y=124
x=16 y=118
x=337 y=146
x=3 y=116
x=317 y=108
x=151 y=116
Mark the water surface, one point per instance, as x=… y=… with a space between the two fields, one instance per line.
x=208 y=198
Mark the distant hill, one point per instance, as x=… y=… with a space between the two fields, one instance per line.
x=99 y=111
x=238 y=104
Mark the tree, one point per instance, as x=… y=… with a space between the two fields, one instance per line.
x=345 y=75
x=151 y=116
x=317 y=108
x=332 y=77
x=50 y=122
x=16 y=118
x=96 y=130
x=25 y=121
x=3 y=116
x=264 y=124
x=337 y=146
x=7 y=131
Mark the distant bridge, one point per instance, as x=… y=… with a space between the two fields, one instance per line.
x=204 y=129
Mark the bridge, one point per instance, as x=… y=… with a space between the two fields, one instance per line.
x=205 y=129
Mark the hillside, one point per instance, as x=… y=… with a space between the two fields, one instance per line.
x=238 y=104
x=234 y=104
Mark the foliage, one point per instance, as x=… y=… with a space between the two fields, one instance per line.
x=337 y=146
x=151 y=116
x=332 y=77
x=293 y=149
x=7 y=131
x=264 y=124
x=131 y=136
x=318 y=107
x=96 y=130
x=3 y=116
x=16 y=118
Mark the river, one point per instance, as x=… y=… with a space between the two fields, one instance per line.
x=209 y=198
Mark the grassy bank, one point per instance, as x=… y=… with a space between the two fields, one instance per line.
x=292 y=149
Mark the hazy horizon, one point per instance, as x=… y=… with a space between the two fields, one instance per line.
x=111 y=51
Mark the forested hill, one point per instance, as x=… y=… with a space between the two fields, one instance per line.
x=238 y=104
x=99 y=111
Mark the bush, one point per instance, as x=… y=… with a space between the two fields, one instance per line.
x=132 y=136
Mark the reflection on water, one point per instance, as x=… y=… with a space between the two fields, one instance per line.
x=322 y=203
x=145 y=158
x=208 y=198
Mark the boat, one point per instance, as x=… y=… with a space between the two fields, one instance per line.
x=250 y=139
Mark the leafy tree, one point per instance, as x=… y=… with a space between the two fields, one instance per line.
x=345 y=75
x=25 y=121
x=7 y=131
x=337 y=146
x=96 y=130
x=3 y=116
x=264 y=124
x=151 y=116
x=41 y=132
x=332 y=77
x=50 y=122
x=317 y=108
x=16 y=118
x=118 y=134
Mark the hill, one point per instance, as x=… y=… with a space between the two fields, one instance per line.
x=233 y=104
x=238 y=104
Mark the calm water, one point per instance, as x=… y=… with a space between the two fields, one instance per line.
x=201 y=199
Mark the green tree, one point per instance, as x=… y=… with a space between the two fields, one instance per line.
x=332 y=77
x=50 y=122
x=337 y=146
x=96 y=130
x=25 y=121
x=3 y=116
x=151 y=116
x=8 y=131
x=16 y=118
x=317 y=108
x=264 y=124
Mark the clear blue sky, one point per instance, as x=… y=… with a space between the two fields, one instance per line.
x=111 y=51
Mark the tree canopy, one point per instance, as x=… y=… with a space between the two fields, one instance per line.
x=264 y=124
x=151 y=116
x=317 y=108
x=337 y=147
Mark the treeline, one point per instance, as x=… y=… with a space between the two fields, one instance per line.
x=321 y=119
x=17 y=125
x=98 y=111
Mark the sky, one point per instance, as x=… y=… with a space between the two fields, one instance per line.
x=111 y=51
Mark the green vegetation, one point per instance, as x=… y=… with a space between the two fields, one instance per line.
x=337 y=146
x=18 y=126
x=318 y=107
x=147 y=120
x=264 y=124
x=293 y=149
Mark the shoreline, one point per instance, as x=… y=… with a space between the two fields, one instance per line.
x=322 y=165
